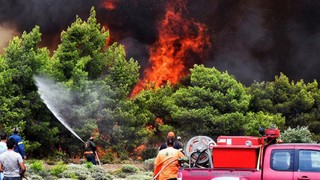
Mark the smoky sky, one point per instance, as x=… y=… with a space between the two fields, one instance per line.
x=252 y=40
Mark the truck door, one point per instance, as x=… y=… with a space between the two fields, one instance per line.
x=279 y=165
x=308 y=164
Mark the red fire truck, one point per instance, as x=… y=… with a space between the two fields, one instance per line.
x=249 y=158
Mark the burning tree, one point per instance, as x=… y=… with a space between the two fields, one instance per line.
x=181 y=42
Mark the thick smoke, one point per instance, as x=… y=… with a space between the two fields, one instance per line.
x=253 y=40
x=52 y=16
x=6 y=34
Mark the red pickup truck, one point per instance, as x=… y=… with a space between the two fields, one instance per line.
x=249 y=158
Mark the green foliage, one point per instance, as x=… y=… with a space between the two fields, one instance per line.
x=107 y=157
x=101 y=79
x=215 y=103
x=148 y=164
x=261 y=119
x=125 y=127
x=58 y=155
x=82 y=172
x=297 y=135
x=150 y=152
x=129 y=168
x=220 y=90
x=73 y=175
x=143 y=176
x=89 y=165
x=21 y=105
x=296 y=101
x=123 y=155
x=59 y=168
x=37 y=166
x=76 y=171
x=79 y=56
x=35 y=177
x=123 y=74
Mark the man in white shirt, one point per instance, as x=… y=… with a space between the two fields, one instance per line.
x=11 y=163
x=3 y=147
x=3 y=143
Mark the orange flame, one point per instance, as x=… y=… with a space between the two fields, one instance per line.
x=109 y=4
x=179 y=38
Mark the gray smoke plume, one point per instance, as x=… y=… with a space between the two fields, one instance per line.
x=253 y=40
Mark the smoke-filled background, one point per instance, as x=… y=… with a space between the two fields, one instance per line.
x=253 y=40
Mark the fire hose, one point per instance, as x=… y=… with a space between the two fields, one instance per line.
x=97 y=157
x=198 y=158
x=155 y=177
x=175 y=159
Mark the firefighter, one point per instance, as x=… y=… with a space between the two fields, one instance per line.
x=179 y=141
x=90 y=151
x=166 y=163
x=19 y=146
x=176 y=144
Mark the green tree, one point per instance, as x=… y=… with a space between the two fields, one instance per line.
x=100 y=79
x=121 y=75
x=129 y=128
x=20 y=103
x=262 y=119
x=79 y=56
x=296 y=101
x=214 y=104
x=156 y=104
x=297 y=135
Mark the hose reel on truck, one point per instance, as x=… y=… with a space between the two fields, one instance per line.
x=199 y=151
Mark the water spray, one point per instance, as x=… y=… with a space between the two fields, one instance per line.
x=51 y=93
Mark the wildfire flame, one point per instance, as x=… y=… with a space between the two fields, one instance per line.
x=109 y=4
x=179 y=38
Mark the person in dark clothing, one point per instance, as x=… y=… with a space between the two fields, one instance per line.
x=19 y=148
x=176 y=145
x=90 y=151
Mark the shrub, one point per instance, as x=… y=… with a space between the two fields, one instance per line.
x=98 y=172
x=58 y=169
x=78 y=171
x=35 y=177
x=37 y=166
x=59 y=155
x=74 y=176
x=297 y=135
x=123 y=155
x=108 y=157
x=144 y=176
x=102 y=176
x=88 y=165
x=150 y=152
x=128 y=168
x=51 y=162
x=148 y=164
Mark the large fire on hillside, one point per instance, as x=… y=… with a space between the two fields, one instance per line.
x=252 y=40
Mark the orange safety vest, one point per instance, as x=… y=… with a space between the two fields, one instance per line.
x=167 y=162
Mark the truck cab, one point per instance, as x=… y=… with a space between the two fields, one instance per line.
x=250 y=158
x=291 y=161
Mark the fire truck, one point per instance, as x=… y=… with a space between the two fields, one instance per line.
x=249 y=158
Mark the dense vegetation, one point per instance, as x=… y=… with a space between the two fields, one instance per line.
x=100 y=78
